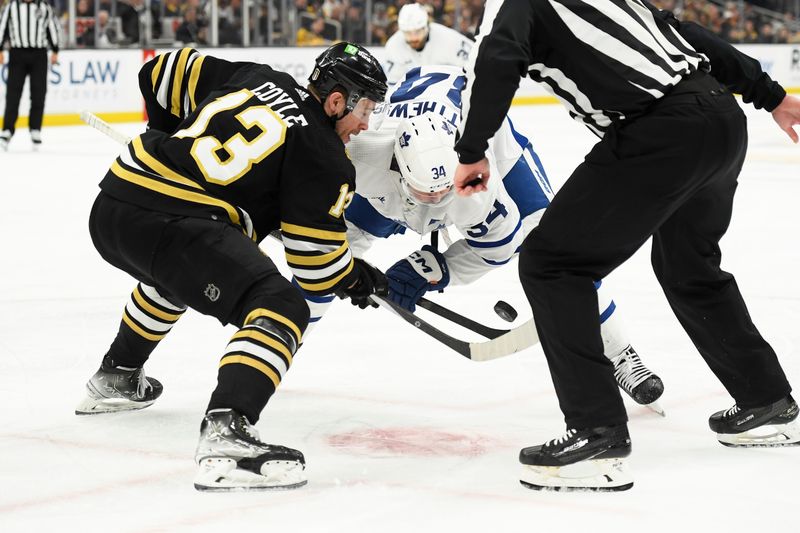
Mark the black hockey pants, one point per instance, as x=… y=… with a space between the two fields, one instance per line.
x=24 y=62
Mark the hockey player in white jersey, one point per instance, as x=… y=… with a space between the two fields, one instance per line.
x=419 y=42
x=404 y=180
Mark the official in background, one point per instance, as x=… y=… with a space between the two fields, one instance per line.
x=30 y=27
x=419 y=42
x=673 y=141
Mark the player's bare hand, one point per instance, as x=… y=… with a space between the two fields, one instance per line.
x=472 y=178
x=787 y=115
x=2 y=58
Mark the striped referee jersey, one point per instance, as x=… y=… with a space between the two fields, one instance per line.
x=29 y=24
x=605 y=60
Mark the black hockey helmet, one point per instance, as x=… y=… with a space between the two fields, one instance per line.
x=353 y=68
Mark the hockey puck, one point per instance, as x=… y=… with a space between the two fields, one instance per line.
x=505 y=311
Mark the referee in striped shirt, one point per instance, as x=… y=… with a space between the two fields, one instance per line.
x=30 y=27
x=672 y=142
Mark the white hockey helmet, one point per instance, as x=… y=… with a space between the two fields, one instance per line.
x=412 y=17
x=423 y=148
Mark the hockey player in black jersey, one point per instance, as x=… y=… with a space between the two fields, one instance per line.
x=233 y=152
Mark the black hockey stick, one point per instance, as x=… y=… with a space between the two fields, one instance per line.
x=512 y=341
x=468 y=323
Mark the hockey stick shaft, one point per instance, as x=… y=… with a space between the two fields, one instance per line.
x=104 y=127
x=461 y=320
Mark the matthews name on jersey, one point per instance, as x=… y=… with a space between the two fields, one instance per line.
x=243 y=143
x=491 y=223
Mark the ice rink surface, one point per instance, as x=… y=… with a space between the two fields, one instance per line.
x=399 y=433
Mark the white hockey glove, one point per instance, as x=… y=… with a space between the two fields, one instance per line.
x=410 y=278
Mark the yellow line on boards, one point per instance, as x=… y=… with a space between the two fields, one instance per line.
x=72 y=119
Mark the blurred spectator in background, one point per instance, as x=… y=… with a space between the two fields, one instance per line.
x=302 y=6
x=332 y=9
x=105 y=33
x=84 y=23
x=354 y=27
x=314 y=35
x=750 y=32
x=172 y=8
x=230 y=22
x=132 y=17
x=190 y=32
x=767 y=33
x=380 y=24
x=129 y=18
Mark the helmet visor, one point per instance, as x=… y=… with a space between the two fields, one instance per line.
x=438 y=198
x=362 y=108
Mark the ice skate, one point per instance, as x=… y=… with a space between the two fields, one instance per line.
x=5 y=138
x=770 y=426
x=637 y=380
x=231 y=457
x=580 y=460
x=36 y=139
x=116 y=388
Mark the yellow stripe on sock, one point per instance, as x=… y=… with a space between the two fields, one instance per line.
x=135 y=327
x=258 y=365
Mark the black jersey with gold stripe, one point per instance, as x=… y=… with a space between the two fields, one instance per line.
x=173 y=84
x=255 y=149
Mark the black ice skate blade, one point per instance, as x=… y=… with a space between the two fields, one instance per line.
x=203 y=488
x=542 y=488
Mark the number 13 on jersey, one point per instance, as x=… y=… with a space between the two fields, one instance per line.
x=241 y=153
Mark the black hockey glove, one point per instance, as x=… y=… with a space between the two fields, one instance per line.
x=368 y=281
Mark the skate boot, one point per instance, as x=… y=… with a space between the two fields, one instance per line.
x=580 y=460
x=770 y=426
x=5 y=138
x=231 y=457
x=637 y=380
x=36 y=139
x=118 y=388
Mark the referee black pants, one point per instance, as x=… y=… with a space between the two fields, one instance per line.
x=670 y=174
x=24 y=62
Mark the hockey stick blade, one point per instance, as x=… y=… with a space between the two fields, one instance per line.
x=104 y=127
x=513 y=341
x=464 y=322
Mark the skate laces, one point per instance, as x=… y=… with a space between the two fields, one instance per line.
x=732 y=411
x=562 y=439
x=629 y=371
x=249 y=430
x=141 y=382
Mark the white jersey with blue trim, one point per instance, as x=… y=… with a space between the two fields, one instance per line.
x=445 y=46
x=493 y=223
